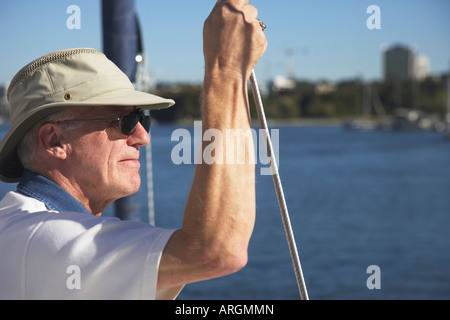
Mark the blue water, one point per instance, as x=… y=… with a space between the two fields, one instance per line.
x=355 y=199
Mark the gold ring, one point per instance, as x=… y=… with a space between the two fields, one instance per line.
x=263 y=26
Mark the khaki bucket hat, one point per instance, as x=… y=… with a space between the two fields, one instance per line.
x=62 y=79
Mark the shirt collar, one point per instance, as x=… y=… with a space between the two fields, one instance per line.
x=52 y=195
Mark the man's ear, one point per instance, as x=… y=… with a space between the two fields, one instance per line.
x=50 y=140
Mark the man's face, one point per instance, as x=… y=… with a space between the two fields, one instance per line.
x=101 y=161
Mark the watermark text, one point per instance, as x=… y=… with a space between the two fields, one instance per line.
x=73 y=282
x=232 y=146
x=73 y=22
x=374 y=20
x=374 y=280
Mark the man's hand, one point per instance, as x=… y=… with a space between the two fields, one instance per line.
x=232 y=38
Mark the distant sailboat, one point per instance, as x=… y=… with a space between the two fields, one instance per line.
x=367 y=122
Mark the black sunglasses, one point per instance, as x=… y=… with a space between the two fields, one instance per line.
x=127 y=123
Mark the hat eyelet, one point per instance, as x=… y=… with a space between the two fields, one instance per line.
x=67 y=96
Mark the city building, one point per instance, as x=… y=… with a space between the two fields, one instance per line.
x=402 y=63
x=422 y=67
x=399 y=63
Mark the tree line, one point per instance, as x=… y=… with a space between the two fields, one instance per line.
x=353 y=98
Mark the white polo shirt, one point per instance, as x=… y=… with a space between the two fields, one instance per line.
x=68 y=255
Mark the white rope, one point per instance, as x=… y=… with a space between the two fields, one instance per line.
x=279 y=189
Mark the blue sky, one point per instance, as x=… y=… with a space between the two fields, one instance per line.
x=329 y=37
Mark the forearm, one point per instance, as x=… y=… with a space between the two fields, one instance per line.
x=222 y=200
x=225 y=101
x=220 y=210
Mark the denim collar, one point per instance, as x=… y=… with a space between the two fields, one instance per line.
x=52 y=195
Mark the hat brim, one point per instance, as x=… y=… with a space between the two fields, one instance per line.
x=11 y=168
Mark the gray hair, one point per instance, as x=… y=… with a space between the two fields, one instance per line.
x=26 y=149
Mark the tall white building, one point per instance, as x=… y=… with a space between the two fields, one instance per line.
x=422 y=67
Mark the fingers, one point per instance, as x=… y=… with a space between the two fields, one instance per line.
x=237 y=3
x=250 y=13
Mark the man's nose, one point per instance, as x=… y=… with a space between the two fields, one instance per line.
x=140 y=137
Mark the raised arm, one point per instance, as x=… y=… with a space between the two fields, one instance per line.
x=220 y=211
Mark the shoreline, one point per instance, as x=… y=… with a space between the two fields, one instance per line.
x=297 y=122
x=303 y=122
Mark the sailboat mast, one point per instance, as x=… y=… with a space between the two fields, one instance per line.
x=122 y=44
x=447 y=116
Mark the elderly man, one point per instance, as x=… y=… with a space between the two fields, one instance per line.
x=77 y=127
